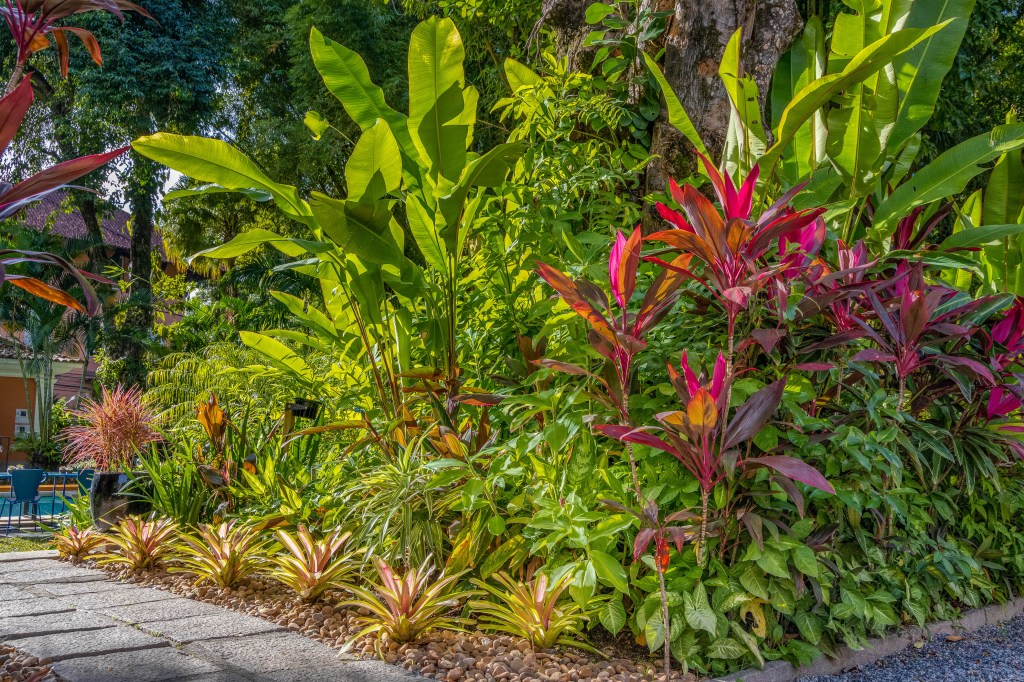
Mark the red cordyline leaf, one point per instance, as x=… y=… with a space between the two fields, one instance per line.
x=51 y=179
x=13 y=108
x=793 y=468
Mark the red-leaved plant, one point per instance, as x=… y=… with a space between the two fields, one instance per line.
x=114 y=429
x=703 y=438
x=615 y=332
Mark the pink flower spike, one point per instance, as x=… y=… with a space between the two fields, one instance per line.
x=615 y=270
x=692 y=384
x=718 y=378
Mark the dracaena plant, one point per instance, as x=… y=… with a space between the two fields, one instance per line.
x=913 y=331
x=709 y=444
x=140 y=543
x=616 y=332
x=33 y=26
x=222 y=554
x=661 y=532
x=311 y=566
x=410 y=605
x=532 y=611
x=113 y=430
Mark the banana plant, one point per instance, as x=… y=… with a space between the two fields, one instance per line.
x=847 y=115
x=378 y=301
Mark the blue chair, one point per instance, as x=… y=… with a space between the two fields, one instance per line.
x=24 y=490
x=84 y=481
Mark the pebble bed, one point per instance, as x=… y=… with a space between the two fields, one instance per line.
x=992 y=654
x=442 y=655
x=16 y=666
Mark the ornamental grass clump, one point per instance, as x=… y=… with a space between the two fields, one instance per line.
x=76 y=543
x=408 y=605
x=140 y=543
x=223 y=554
x=112 y=431
x=531 y=611
x=310 y=567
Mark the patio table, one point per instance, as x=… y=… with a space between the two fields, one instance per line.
x=54 y=479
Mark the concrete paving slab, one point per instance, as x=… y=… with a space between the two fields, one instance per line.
x=165 y=609
x=42 y=563
x=60 y=646
x=35 y=606
x=61 y=589
x=52 y=574
x=135 y=666
x=27 y=556
x=352 y=671
x=123 y=595
x=228 y=624
x=12 y=592
x=265 y=652
x=189 y=641
x=34 y=626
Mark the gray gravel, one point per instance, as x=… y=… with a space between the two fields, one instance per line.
x=992 y=654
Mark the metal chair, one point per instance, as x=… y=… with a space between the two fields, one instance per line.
x=84 y=481
x=24 y=490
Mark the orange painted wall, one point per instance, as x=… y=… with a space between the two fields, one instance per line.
x=12 y=397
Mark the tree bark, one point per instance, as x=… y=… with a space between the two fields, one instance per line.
x=695 y=40
x=131 y=339
x=694 y=44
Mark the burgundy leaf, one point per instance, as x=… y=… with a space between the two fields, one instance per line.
x=643 y=540
x=873 y=355
x=753 y=414
x=793 y=468
x=970 y=364
x=627 y=434
x=814 y=366
x=565 y=367
x=53 y=177
x=12 y=111
x=768 y=338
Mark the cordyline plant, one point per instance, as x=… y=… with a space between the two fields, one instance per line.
x=409 y=605
x=709 y=444
x=661 y=531
x=733 y=247
x=113 y=431
x=914 y=327
x=33 y=27
x=615 y=332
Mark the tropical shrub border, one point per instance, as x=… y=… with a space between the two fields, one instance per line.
x=849 y=460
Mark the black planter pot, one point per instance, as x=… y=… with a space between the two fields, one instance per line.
x=109 y=502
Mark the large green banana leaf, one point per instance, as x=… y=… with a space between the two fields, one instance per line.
x=946 y=176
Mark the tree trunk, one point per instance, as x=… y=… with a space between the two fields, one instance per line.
x=132 y=336
x=695 y=40
x=694 y=44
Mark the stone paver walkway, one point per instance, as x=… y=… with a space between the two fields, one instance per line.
x=98 y=630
